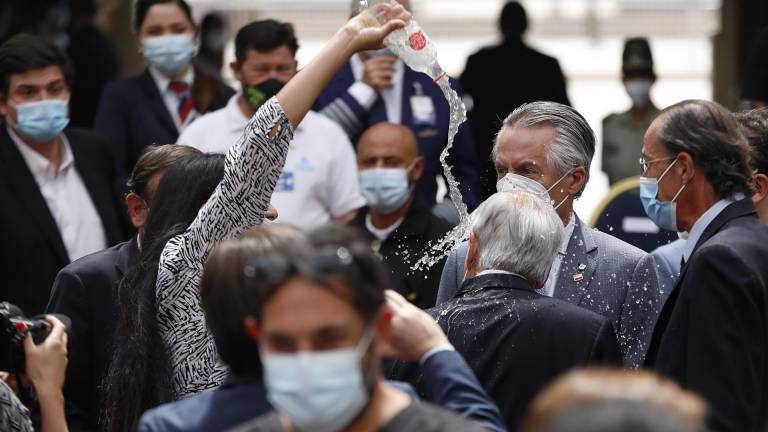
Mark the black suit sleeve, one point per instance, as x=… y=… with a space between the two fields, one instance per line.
x=725 y=338
x=605 y=349
x=68 y=297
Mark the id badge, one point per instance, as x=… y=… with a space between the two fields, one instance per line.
x=423 y=110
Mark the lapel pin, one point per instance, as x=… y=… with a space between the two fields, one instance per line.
x=582 y=267
x=578 y=277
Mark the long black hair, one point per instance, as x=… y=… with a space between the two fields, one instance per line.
x=139 y=376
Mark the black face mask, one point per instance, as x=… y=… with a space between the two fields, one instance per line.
x=257 y=94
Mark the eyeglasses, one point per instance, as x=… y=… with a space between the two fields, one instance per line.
x=645 y=164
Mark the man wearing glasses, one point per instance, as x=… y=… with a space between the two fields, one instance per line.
x=712 y=334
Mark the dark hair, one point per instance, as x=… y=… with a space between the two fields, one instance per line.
x=139 y=376
x=341 y=262
x=513 y=21
x=227 y=296
x=264 y=36
x=154 y=159
x=25 y=52
x=755 y=128
x=142 y=7
x=618 y=415
x=712 y=136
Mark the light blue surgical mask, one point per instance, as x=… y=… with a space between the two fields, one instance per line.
x=662 y=213
x=320 y=391
x=385 y=189
x=170 y=54
x=512 y=181
x=42 y=120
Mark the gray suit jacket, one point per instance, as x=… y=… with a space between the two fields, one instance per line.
x=600 y=273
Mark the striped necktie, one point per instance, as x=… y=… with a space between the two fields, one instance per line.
x=185 y=100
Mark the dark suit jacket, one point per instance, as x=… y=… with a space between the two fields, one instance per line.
x=501 y=78
x=85 y=291
x=405 y=246
x=516 y=340
x=133 y=115
x=449 y=383
x=712 y=334
x=432 y=139
x=31 y=248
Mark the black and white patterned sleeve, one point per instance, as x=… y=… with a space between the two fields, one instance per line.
x=14 y=417
x=239 y=203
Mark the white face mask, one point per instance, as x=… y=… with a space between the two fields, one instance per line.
x=639 y=90
x=513 y=181
x=320 y=391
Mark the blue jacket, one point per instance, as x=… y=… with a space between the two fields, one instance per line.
x=338 y=104
x=448 y=380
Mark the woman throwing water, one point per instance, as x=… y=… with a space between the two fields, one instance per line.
x=238 y=203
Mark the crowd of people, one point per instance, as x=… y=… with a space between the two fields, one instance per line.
x=244 y=260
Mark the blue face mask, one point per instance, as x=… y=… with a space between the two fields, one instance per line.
x=43 y=120
x=170 y=54
x=662 y=213
x=320 y=391
x=385 y=189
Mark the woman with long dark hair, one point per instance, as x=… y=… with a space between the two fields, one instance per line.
x=167 y=351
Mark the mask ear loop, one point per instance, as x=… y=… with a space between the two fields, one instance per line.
x=665 y=173
x=558 y=182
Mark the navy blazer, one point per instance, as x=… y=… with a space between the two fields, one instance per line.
x=133 y=115
x=31 y=248
x=85 y=291
x=712 y=334
x=449 y=383
x=517 y=340
x=432 y=139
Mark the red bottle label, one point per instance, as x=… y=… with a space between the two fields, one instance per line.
x=418 y=41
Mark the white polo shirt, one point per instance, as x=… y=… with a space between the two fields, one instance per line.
x=319 y=181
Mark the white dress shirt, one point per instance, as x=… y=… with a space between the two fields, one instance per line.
x=173 y=99
x=319 y=180
x=365 y=95
x=549 y=287
x=67 y=198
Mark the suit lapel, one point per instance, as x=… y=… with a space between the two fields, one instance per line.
x=738 y=209
x=578 y=265
x=156 y=103
x=28 y=192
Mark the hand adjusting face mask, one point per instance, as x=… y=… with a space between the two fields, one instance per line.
x=662 y=213
x=320 y=391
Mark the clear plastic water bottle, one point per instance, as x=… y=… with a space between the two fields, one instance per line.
x=415 y=48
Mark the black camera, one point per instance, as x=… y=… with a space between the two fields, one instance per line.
x=14 y=328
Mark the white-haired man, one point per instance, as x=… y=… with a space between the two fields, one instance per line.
x=551 y=144
x=514 y=338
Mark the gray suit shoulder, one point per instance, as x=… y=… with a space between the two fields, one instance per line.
x=612 y=249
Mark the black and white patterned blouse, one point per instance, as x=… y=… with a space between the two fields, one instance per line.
x=238 y=203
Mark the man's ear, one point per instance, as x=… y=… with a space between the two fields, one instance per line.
x=137 y=210
x=418 y=168
x=234 y=66
x=3 y=105
x=472 y=252
x=383 y=328
x=760 y=182
x=579 y=176
x=251 y=328
x=686 y=167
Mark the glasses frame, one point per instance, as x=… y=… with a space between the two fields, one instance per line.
x=645 y=164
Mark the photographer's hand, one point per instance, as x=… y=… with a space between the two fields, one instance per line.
x=46 y=368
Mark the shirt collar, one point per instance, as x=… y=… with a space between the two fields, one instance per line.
x=38 y=165
x=567 y=233
x=162 y=81
x=703 y=222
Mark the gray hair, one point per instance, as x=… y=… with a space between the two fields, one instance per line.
x=517 y=232
x=713 y=137
x=574 y=143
